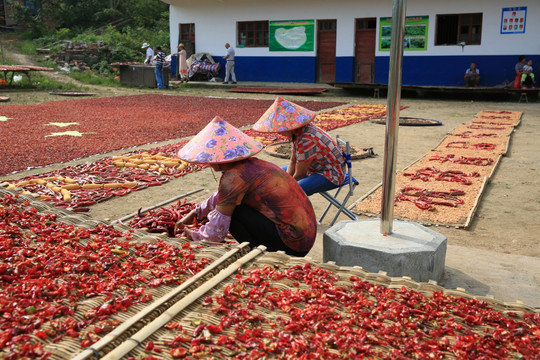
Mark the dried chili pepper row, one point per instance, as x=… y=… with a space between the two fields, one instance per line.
x=492 y=123
x=479 y=161
x=498 y=111
x=469 y=134
x=475 y=126
x=423 y=198
x=484 y=146
x=495 y=117
x=466 y=145
x=426 y=173
x=47 y=268
x=320 y=318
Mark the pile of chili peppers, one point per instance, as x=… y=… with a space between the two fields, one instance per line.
x=163 y=220
x=320 y=316
x=425 y=199
x=47 y=268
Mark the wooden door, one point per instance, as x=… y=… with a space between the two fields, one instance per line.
x=326 y=51
x=364 y=50
x=186 y=35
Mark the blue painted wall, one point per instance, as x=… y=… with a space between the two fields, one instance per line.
x=417 y=70
x=272 y=69
x=449 y=70
x=345 y=69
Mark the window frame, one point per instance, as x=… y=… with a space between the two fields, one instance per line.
x=260 y=28
x=460 y=23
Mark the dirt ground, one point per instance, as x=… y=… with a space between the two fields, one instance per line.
x=498 y=255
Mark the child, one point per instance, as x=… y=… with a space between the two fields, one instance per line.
x=527 y=71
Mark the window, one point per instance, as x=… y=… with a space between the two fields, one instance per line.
x=253 y=34
x=454 y=29
x=370 y=23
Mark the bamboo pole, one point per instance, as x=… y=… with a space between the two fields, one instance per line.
x=164 y=318
x=157 y=205
x=113 y=335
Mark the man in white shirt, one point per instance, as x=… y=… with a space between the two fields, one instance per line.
x=229 y=67
x=149 y=53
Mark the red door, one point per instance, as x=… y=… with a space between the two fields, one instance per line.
x=186 y=35
x=326 y=51
x=364 y=50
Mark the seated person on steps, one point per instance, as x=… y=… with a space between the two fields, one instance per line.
x=527 y=72
x=472 y=76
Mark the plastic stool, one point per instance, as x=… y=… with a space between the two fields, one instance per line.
x=523 y=97
x=376 y=93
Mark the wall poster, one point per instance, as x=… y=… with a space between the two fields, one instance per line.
x=415 y=37
x=291 y=35
x=513 y=20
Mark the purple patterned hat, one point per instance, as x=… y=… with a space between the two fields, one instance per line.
x=282 y=116
x=219 y=142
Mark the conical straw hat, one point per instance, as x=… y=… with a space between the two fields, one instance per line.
x=219 y=142
x=282 y=116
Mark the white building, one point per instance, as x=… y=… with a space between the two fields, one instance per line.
x=348 y=40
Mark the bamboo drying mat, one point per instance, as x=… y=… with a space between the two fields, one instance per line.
x=142 y=313
x=186 y=305
x=493 y=127
x=189 y=314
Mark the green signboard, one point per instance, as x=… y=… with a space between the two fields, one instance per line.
x=291 y=35
x=415 y=37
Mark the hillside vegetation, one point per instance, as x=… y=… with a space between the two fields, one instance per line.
x=121 y=24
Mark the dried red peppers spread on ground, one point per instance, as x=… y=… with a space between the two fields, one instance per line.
x=83 y=185
x=64 y=287
x=80 y=186
x=58 y=131
x=59 y=281
x=444 y=187
x=288 y=311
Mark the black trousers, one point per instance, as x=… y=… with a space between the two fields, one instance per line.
x=249 y=225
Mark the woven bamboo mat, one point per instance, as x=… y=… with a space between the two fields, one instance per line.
x=283 y=292
x=481 y=141
x=178 y=312
x=136 y=315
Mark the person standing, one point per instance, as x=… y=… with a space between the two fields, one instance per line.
x=160 y=62
x=229 y=66
x=472 y=76
x=149 y=53
x=182 y=63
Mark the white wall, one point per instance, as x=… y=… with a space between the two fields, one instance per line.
x=215 y=23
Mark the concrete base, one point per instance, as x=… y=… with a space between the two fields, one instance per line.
x=411 y=250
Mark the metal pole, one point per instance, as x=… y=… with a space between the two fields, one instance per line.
x=392 y=115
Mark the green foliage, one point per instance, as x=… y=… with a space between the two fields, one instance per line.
x=89 y=77
x=26 y=47
x=79 y=22
x=40 y=82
